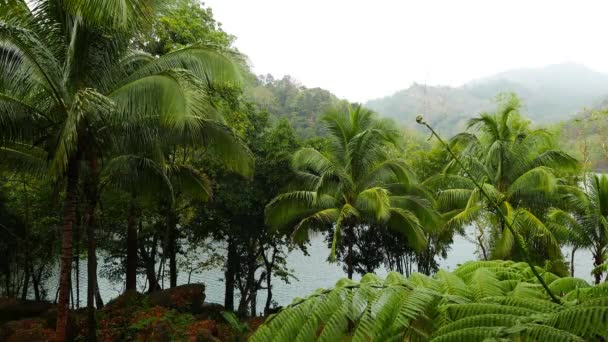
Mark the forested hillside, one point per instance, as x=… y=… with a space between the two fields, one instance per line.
x=549 y=95
x=301 y=106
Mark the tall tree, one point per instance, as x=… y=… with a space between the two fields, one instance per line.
x=584 y=221
x=517 y=168
x=354 y=182
x=179 y=24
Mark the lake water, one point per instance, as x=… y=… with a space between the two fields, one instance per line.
x=313 y=272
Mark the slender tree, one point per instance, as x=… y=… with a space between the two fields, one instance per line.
x=584 y=221
x=516 y=167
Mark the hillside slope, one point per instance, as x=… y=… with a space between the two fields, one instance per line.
x=549 y=94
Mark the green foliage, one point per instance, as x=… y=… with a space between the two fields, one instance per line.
x=470 y=304
x=583 y=137
x=583 y=221
x=353 y=182
x=182 y=23
x=286 y=99
x=158 y=323
x=519 y=170
x=237 y=326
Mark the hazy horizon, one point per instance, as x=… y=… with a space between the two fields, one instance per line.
x=361 y=50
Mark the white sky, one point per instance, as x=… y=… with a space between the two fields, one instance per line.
x=366 y=49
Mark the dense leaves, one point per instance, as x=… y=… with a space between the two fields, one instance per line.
x=474 y=303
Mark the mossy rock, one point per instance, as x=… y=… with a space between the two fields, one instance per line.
x=211 y=311
x=203 y=335
x=130 y=301
x=30 y=329
x=12 y=309
x=185 y=298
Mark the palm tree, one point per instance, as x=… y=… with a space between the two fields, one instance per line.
x=68 y=83
x=516 y=167
x=354 y=182
x=585 y=220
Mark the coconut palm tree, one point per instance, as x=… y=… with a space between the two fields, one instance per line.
x=585 y=220
x=353 y=182
x=68 y=83
x=516 y=167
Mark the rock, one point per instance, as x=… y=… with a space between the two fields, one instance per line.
x=30 y=329
x=129 y=301
x=203 y=335
x=185 y=298
x=211 y=311
x=12 y=309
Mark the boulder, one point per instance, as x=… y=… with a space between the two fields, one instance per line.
x=29 y=329
x=185 y=298
x=211 y=311
x=203 y=335
x=129 y=301
x=12 y=309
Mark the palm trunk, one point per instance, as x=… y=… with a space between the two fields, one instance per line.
x=77 y=264
x=26 y=252
x=598 y=260
x=349 y=256
x=131 y=283
x=91 y=278
x=91 y=222
x=572 y=261
x=69 y=217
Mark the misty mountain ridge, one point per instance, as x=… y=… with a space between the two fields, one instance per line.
x=549 y=94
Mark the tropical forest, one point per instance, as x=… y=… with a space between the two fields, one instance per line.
x=164 y=179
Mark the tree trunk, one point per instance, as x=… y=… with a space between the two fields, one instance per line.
x=254 y=302
x=91 y=223
x=251 y=283
x=268 y=293
x=26 y=280
x=26 y=227
x=231 y=263
x=572 y=261
x=172 y=250
x=91 y=278
x=249 y=290
x=36 y=283
x=69 y=217
x=98 y=300
x=149 y=261
x=349 y=256
x=269 y=264
x=598 y=260
x=77 y=264
x=131 y=283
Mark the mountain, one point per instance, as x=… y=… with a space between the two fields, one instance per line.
x=549 y=94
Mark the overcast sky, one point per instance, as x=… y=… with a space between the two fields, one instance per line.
x=366 y=49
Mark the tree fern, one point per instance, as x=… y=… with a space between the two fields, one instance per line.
x=470 y=304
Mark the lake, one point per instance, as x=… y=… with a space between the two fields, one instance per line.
x=313 y=272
